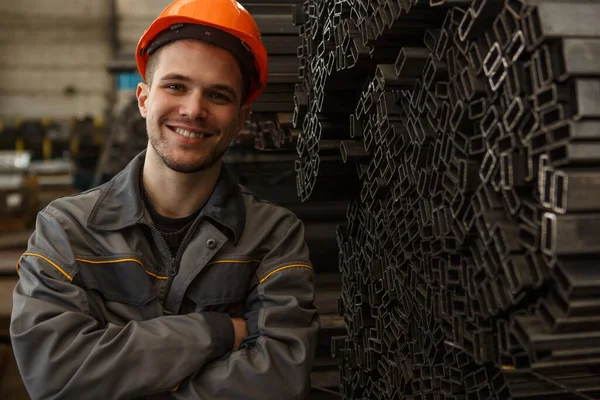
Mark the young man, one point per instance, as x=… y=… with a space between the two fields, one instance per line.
x=171 y=281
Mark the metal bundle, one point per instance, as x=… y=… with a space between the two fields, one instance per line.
x=468 y=254
x=280 y=38
x=269 y=131
x=340 y=44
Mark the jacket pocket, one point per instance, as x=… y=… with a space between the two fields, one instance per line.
x=222 y=286
x=120 y=290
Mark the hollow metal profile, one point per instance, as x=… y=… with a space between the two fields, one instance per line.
x=571 y=131
x=410 y=61
x=352 y=150
x=576 y=190
x=576 y=284
x=570 y=234
x=586 y=98
x=574 y=57
x=556 y=19
x=563 y=313
x=574 y=153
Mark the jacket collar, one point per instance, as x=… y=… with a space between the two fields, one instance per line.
x=120 y=204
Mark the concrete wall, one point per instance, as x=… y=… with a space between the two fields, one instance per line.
x=134 y=17
x=53 y=57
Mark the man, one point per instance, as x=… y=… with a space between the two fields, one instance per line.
x=171 y=281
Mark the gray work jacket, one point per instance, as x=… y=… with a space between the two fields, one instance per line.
x=102 y=310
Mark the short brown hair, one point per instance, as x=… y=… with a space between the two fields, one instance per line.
x=151 y=66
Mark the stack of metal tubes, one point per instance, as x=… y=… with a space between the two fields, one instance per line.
x=465 y=136
x=267 y=127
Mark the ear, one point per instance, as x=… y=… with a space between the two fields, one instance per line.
x=243 y=116
x=142 y=98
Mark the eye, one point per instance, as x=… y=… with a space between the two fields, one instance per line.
x=175 y=86
x=219 y=96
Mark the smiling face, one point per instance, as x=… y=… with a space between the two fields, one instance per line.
x=192 y=105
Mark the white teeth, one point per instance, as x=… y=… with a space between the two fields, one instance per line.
x=189 y=134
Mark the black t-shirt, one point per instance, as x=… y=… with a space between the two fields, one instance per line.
x=173 y=230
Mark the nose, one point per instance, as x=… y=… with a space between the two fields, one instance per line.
x=194 y=106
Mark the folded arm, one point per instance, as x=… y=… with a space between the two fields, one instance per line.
x=276 y=359
x=63 y=352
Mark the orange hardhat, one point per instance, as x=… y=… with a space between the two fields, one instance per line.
x=228 y=24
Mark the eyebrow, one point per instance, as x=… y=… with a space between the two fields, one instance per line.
x=225 y=88
x=219 y=86
x=175 y=77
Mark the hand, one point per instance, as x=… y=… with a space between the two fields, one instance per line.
x=239 y=326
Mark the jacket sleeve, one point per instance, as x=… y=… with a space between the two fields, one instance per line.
x=276 y=359
x=63 y=352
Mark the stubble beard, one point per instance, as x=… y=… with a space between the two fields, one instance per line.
x=161 y=148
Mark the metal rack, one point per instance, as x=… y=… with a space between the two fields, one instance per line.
x=464 y=135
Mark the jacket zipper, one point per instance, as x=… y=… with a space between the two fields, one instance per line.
x=177 y=259
x=183 y=244
x=172 y=265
